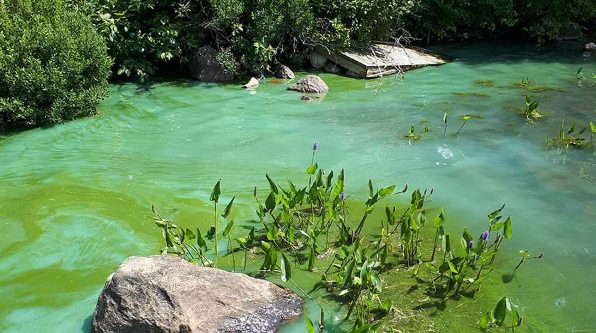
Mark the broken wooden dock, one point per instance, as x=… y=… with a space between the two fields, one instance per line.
x=379 y=59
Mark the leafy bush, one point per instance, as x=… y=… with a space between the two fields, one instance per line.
x=53 y=65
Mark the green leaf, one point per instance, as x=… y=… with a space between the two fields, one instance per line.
x=309 y=326
x=376 y=281
x=271 y=184
x=272 y=233
x=189 y=234
x=484 y=321
x=507 y=228
x=500 y=311
x=439 y=220
x=211 y=232
x=467 y=235
x=286 y=270
x=228 y=208
x=200 y=241
x=270 y=202
x=496 y=213
x=312 y=169
x=215 y=193
x=228 y=228
x=447 y=243
x=265 y=246
x=347 y=276
x=386 y=191
x=370 y=189
x=311 y=259
x=329 y=179
x=339 y=187
x=593 y=127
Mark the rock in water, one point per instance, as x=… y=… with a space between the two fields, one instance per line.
x=310 y=84
x=591 y=46
x=284 y=72
x=204 y=66
x=166 y=294
x=253 y=83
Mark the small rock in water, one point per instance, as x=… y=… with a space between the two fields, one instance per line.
x=308 y=98
x=284 y=72
x=310 y=84
x=591 y=46
x=253 y=83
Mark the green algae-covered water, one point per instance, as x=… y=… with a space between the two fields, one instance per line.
x=75 y=199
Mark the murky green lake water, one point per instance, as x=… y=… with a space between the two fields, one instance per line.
x=75 y=199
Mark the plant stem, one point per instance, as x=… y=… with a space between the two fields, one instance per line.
x=216 y=231
x=462 y=126
x=432 y=257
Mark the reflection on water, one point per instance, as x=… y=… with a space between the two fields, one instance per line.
x=74 y=199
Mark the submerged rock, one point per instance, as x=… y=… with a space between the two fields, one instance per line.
x=204 y=66
x=284 y=72
x=591 y=46
x=166 y=294
x=310 y=84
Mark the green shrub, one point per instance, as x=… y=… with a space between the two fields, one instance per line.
x=53 y=64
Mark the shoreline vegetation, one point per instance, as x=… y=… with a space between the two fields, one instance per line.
x=57 y=55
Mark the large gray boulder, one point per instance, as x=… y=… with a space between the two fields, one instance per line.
x=166 y=294
x=310 y=84
x=204 y=66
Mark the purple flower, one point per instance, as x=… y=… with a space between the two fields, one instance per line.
x=342 y=196
x=314 y=146
x=471 y=244
x=484 y=236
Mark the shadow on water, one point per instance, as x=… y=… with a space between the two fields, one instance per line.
x=86 y=328
x=479 y=53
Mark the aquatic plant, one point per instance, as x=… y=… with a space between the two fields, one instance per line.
x=531 y=111
x=525 y=255
x=504 y=314
x=485 y=83
x=412 y=136
x=444 y=123
x=310 y=228
x=581 y=78
x=470 y=94
x=465 y=119
x=573 y=138
x=534 y=87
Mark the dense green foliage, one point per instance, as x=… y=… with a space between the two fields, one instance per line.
x=539 y=19
x=253 y=35
x=53 y=64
